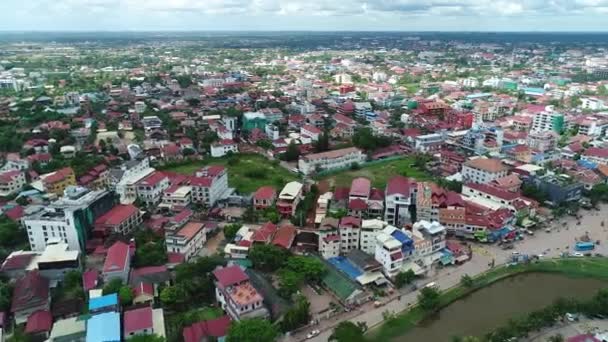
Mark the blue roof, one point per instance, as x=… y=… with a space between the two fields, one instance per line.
x=478 y=95
x=103 y=301
x=104 y=327
x=401 y=237
x=344 y=265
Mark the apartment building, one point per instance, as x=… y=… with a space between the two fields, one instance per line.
x=330 y=160
x=150 y=189
x=11 y=182
x=350 y=231
x=596 y=155
x=177 y=196
x=123 y=179
x=483 y=170
x=435 y=232
x=548 y=121
x=399 y=196
x=121 y=219
x=188 y=240
x=209 y=185
x=58 y=181
x=369 y=230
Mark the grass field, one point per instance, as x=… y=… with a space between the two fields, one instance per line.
x=587 y=267
x=378 y=173
x=246 y=172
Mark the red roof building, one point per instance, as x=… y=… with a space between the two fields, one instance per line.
x=264 y=197
x=137 y=322
x=229 y=276
x=117 y=263
x=31 y=293
x=122 y=219
x=284 y=236
x=265 y=233
x=202 y=331
x=90 y=279
x=39 y=322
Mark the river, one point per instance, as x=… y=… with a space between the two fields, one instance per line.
x=494 y=305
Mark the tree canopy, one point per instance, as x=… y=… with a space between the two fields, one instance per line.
x=347 y=331
x=252 y=330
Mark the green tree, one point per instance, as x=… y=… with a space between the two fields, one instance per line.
x=429 y=299
x=268 y=257
x=322 y=144
x=297 y=316
x=6 y=295
x=125 y=294
x=310 y=268
x=113 y=286
x=365 y=139
x=252 y=330
x=404 y=278
x=289 y=282
x=146 y=338
x=173 y=296
x=292 y=153
x=230 y=231
x=467 y=281
x=347 y=331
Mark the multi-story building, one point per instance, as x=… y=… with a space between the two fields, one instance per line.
x=369 y=230
x=596 y=155
x=122 y=219
x=123 y=180
x=209 y=185
x=177 y=196
x=264 y=198
x=350 y=230
x=483 y=170
x=59 y=180
x=253 y=120
x=289 y=198
x=69 y=219
x=393 y=247
x=593 y=103
x=492 y=197
x=329 y=246
x=429 y=142
x=11 y=182
x=548 y=121
x=542 y=140
x=331 y=160
x=399 y=196
x=236 y=294
x=223 y=147
x=432 y=231
x=311 y=131
x=188 y=240
x=150 y=189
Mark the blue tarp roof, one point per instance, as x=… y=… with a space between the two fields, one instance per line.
x=344 y=265
x=104 y=327
x=401 y=237
x=103 y=301
x=587 y=164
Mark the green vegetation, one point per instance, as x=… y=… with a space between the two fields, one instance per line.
x=124 y=291
x=379 y=173
x=347 y=331
x=12 y=237
x=404 y=278
x=246 y=172
x=230 y=231
x=252 y=330
x=177 y=321
x=297 y=316
x=575 y=267
x=268 y=258
x=151 y=250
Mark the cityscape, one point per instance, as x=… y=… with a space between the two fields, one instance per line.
x=294 y=185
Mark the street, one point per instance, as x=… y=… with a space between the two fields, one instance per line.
x=551 y=245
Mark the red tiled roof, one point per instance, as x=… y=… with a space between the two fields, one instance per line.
x=15 y=213
x=143 y=288
x=137 y=319
x=341 y=193
x=116 y=259
x=175 y=258
x=59 y=175
x=376 y=195
x=8 y=176
x=212 y=328
x=494 y=191
x=597 y=152
x=39 y=321
x=30 y=290
x=231 y=275
x=265 y=193
x=204 y=182
x=17 y=262
x=90 y=279
x=117 y=215
x=350 y=222
x=153 y=179
x=357 y=204
x=311 y=129
x=265 y=232
x=360 y=187
x=284 y=236
x=399 y=185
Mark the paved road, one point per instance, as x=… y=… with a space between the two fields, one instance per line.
x=561 y=238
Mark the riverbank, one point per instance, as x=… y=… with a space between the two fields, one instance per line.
x=402 y=322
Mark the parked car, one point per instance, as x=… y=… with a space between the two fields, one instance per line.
x=313 y=334
x=577 y=254
x=571 y=317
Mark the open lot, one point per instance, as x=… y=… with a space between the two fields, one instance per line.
x=318 y=302
x=378 y=173
x=246 y=172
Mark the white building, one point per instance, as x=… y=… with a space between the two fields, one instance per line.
x=329 y=246
x=469 y=82
x=177 y=196
x=343 y=79
x=379 y=76
x=399 y=196
x=150 y=189
x=429 y=142
x=209 y=185
x=188 y=240
x=593 y=103
x=350 y=233
x=236 y=295
x=362 y=108
x=311 y=131
x=432 y=231
x=140 y=107
x=223 y=147
x=483 y=170
x=369 y=230
x=548 y=121
x=388 y=252
x=11 y=182
x=123 y=179
x=331 y=160
x=67 y=218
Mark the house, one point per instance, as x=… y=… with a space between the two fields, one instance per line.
x=30 y=294
x=209 y=185
x=68 y=329
x=399 y=197
x=122 y=219
x=39 y=325
x=393 y=247
x=329 y=246
x=330 y=160
x=434 y=232
x=284 y=236
x=58 y=181
x=559 y=188
x=289 y=198
x=118 y=262
x=264 y=234
x=90 y=279
x=264 y=198
x=150 y=189
x=143 y=293
x=596 y=155
x=483 y=170
x=369 y=230
x=104 y=327
x=223 y=147
x=311 y=131
x=11 y=182
x=207 y=330
x=188 y=240
x=236 y=294
x=143 y=321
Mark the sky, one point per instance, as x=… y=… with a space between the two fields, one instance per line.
x=307 y=15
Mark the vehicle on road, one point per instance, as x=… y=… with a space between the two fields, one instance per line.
x=571 y=317
x=584 y=246
x=432 y=285
x=312 y=334
x=577 y=254
x=378 y=304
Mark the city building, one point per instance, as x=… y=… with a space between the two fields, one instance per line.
x=58 y=181
x=70 y=219
x=253 y=120
x=30 y=294
x=435 y=232
x=122 y=219
x=548 y=121
x=188 y=240
x=596 y=155
x=331 y=160
x=143 y=321
x=223 y=147
x=399 y=197
x=177 y=197
x=350 y=230
x=236 y=294
x=289 y=198
x=483 y=170
x=209 y=185
x=393 y=247
x=264 y=198
x=369 y=230
x=104 y=327
x=151 y=188
x=11 y=182
x=123 y=179
x=118 y=262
